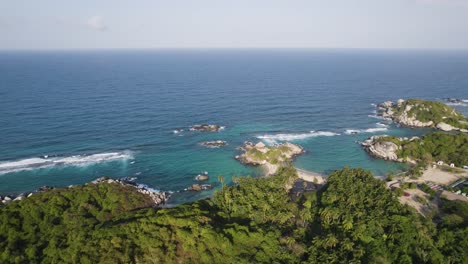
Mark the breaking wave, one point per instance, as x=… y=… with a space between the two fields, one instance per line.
x=369 y=130
x=76 y=160
x=464 y=104
x=271 y=139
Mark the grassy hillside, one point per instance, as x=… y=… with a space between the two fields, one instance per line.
x=353 y=219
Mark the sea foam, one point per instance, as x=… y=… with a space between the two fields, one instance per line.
x=369 y=130
x=272 y=139
x=459 y=104
x=76 y=160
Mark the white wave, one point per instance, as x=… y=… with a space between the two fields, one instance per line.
x=76 y=160
x=272 y=139
x=380 y=124
x=376 y=129
x=374 y=105
x=369 y=130
x=146 y=187
x=465 y=101
x=458 y=104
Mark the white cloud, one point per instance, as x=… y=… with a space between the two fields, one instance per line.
x=96 y=23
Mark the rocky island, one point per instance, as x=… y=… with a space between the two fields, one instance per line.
x=423 y=113
x=269 y=157
x=206 y=128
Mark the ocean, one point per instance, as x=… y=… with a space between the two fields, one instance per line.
x=68 y=117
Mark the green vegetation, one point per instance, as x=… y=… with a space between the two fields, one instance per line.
x=425 y=188
x=450 y=148
x=447 y=147
x=353 y=219
x=437 y=112
x=273 y=155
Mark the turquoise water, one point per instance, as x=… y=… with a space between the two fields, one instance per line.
x=112 y=113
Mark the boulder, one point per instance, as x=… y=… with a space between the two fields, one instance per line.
x=381 y=149
x=260 y=145
x=202 y=177
x=445 y=127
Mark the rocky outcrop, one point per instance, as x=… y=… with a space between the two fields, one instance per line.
x=381 y=149
x=206 y=128
x=214 y=144
x=445 y=127
x=386 y=147
x=159 y=198
x=270 y=157
x=388 y=110
x=421 y=113
x=199 y=187
x=202 y=177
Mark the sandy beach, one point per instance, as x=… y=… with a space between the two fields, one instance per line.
x=310 y=176
x=439 y=176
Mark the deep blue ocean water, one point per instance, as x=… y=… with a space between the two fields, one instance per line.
x=112 y=113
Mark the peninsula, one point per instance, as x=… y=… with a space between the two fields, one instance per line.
x=423 y=113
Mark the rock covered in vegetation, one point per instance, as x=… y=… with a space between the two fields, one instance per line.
x=206 y=128
x=159 y=198
x=433 y=147
x=268 y=156
x=214 y=144
x=423 y=113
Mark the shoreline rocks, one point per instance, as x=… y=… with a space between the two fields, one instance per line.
x=159 y=198
x=199 y=187
x=383 y=147
x=202 y=177
x=206 y=128
x=214 y=144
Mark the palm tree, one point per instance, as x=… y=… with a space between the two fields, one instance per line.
x=221 y=180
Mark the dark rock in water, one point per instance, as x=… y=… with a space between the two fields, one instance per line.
x=45 y=188
x=453 y=100
x=206 y=128
x=214 y=144
x=199 y=187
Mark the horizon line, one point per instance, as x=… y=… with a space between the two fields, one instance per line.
x=228 y=48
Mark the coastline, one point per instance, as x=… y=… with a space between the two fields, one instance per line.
x=310 y=176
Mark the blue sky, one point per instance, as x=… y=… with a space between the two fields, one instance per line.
x=109 y=24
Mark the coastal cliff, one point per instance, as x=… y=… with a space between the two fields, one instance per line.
x=423 y=113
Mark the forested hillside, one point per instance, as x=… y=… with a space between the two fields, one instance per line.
x=353 y=219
